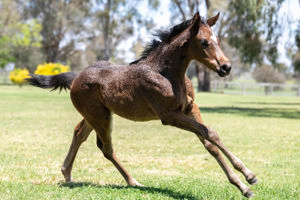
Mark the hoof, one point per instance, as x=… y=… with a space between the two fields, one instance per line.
x=67 y=176
x=69 y=181
x=253 y=181
x=134 y=183
x=249 y=194
x=139 y=185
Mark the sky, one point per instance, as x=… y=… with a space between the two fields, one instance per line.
x=162 y=18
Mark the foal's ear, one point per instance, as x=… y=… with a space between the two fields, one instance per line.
x=212 y=21
x=195 y=24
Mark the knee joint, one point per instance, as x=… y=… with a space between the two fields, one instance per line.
x=107 y=152
x=80 y=135
x=107 y=155
x=212 y=135
x=213 y=150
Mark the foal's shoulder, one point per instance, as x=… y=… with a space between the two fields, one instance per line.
x=149 y=77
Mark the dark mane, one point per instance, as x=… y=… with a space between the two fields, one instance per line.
x=164 y=37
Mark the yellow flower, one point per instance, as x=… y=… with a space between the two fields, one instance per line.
x=51 y=69
x=17 y=76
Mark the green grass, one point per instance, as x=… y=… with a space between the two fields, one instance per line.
x=37 y=126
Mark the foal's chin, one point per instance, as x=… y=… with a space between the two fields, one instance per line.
x=222 y=73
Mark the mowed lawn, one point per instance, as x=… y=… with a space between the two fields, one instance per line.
x=37 y=127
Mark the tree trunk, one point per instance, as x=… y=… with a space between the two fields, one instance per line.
x=203 y=78
x=199 y=74
x=206 y=84
x=51 y=52
x=106 y=31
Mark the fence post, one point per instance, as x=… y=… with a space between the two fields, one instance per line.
x=243 y=89
x=271 y=89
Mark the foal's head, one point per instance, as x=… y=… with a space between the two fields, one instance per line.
x=204 y=45
x=195 y=41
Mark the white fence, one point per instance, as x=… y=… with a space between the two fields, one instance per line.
x=256 y=88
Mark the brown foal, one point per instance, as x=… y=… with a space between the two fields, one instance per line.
x=153 y=87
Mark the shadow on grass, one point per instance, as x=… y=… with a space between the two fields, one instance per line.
x=163 y=191
x=255 y=112
x=270 y=103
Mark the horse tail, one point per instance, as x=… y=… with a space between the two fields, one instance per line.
x=61 y=81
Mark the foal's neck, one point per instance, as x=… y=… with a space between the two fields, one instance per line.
x=173 y=65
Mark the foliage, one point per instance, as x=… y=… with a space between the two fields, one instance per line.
x=116 y=22
x=59 y=20
x=99 y=25
x=5 y=51
x=254 y=29
x=29 y=34
x=19 y=40
x=8 y=26
x=17 y=76
x=51 y=69
x=26 y=45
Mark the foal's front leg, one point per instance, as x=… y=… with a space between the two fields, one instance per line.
x=209 y=138
x=235 y=161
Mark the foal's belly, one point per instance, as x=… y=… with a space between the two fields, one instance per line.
x=137 y=116
x=128 y=104
x=132 y=111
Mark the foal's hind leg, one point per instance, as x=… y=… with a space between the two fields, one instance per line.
x=81 y=133
x=101 y=120
x=237 y=163
x=109 y=153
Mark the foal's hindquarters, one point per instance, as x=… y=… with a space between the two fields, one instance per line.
x=98 y=117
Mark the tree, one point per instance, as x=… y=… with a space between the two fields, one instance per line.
x=115 y=22
x=254 y=29
x=26 y=45
x=8 y=26
x=296 y=56
x=63 y=23
x=5 y=51
x=19 y=41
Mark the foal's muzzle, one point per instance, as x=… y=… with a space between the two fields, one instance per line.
x=224 y=70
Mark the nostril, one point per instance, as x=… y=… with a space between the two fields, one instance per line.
x=226 y=68
x=229 y=68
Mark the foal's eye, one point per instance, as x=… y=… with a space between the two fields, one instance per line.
x=204 y=43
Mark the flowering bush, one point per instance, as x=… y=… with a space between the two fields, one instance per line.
x=17 y=76
x=51 y=69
